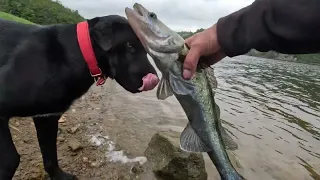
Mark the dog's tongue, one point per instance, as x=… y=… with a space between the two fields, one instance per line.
x=150 y=81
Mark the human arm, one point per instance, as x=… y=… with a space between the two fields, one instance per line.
x=285 y=26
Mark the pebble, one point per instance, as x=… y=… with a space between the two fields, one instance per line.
x=61 y=139
x=27 y=141
x=74 y=129
x=75 y=145
x=137 y=168
x=59 y=131
x=96 y=164
x=85 y=159
x=62 y=119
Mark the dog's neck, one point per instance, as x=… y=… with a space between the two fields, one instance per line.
x=89 y=55
x=76 y=58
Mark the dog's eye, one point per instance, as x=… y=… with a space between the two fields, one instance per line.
x=130 y=47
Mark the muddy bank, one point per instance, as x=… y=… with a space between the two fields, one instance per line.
x=102 y=136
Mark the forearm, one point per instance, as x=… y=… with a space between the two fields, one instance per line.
x=286 y=26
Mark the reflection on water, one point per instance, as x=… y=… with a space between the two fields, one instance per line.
x=273 y=110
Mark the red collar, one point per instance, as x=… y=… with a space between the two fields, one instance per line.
x=88 y=53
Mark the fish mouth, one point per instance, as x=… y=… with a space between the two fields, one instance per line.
x=138 y=12
x=137 y=18
x=152 y=33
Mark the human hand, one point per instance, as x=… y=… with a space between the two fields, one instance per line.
x=204 y=44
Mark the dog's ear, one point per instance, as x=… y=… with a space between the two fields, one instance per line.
x=103 y=36
x=109 y=33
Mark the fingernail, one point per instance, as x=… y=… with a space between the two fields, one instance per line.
x=186 y=74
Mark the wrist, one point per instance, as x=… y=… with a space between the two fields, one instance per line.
x=213 y=32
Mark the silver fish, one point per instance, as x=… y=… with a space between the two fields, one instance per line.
x=168 y=50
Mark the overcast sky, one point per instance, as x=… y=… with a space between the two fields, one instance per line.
x=177 y=14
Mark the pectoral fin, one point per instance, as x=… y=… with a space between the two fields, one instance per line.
x=164 y=89
x=190 y=141
x=179 y=85
x=173 y=84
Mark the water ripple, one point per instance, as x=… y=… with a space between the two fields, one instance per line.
x=273 y=109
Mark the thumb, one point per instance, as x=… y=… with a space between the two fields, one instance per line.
x=190 y=63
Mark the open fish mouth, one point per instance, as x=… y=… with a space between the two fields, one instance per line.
x=138 y=11
x=137 y=17
x=152 y=33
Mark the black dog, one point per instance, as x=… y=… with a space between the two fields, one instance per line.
x=43 y=70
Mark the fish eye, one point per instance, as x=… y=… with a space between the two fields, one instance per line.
x=153 y=15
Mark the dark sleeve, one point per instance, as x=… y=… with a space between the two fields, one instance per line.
x=285 y=26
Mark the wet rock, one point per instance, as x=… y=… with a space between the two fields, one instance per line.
x=137 y=168
x=98 y=140
x=168 y=161
x=74 y=145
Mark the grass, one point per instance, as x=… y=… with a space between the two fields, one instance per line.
x=10 y=17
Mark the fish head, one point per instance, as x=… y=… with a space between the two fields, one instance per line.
x=161 y=43
x=152 y=32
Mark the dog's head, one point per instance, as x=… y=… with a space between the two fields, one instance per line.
x=120 y=54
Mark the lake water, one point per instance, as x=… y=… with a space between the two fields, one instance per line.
x=271 y=109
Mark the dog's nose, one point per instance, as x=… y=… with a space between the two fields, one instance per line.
x=150 y=81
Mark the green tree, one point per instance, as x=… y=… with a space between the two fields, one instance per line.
x=42 y=12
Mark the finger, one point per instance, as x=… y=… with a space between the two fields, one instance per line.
x=188 y=40
x=190 y=62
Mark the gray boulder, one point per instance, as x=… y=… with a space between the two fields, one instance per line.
x=168 y=161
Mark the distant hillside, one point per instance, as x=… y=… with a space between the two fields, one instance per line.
x=302 y=58
x=11 y=17
x=186 y=34
x=41 y=11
